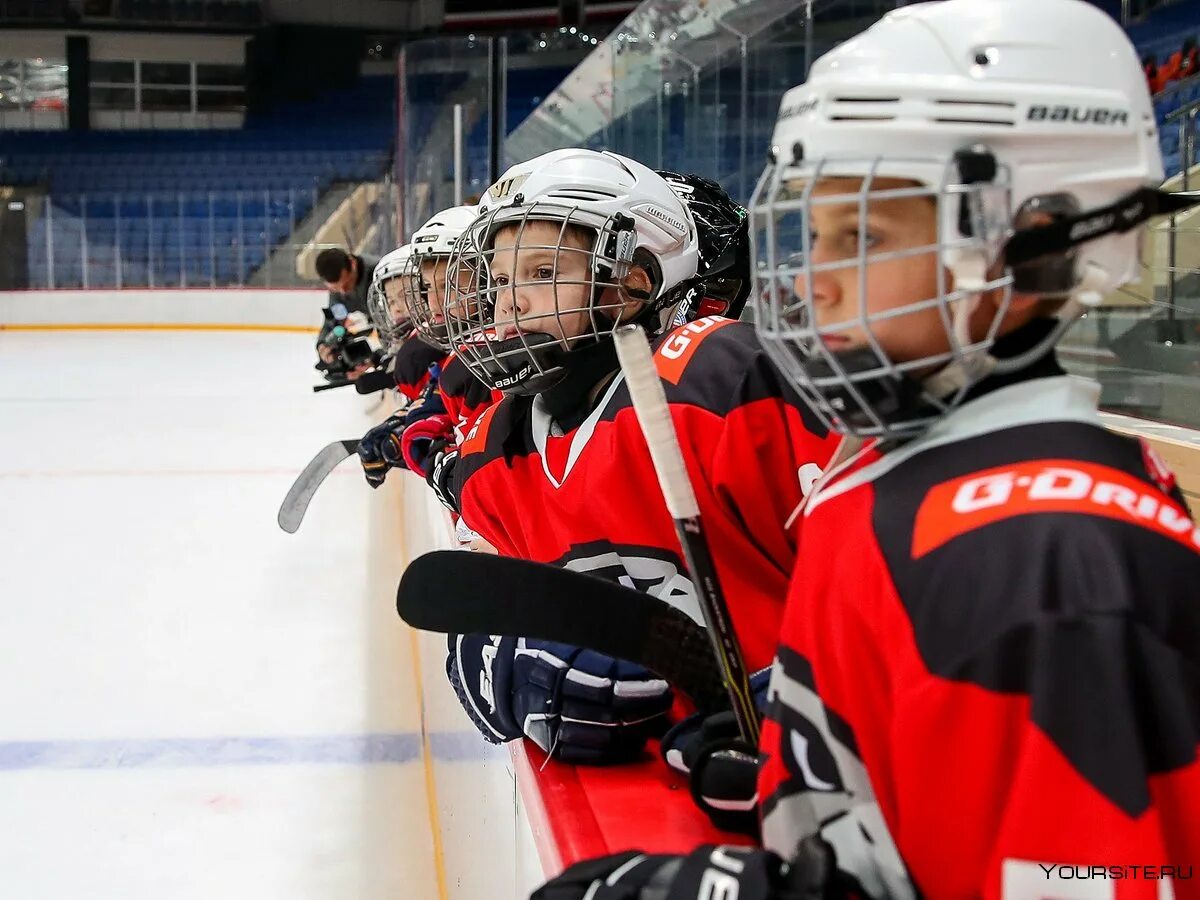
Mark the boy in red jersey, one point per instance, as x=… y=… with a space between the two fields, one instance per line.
x=406 y=305
x=987 y=677
x=570 y=245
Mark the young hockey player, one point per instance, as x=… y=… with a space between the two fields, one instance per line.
x=410 y=289
x=568 y=246
x=714 y=292
x=389 y=309
x=987 y=679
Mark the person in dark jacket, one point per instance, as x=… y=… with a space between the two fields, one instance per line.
x=347 y=277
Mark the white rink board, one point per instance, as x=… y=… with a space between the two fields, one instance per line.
x=480 y=812
x=237 y=307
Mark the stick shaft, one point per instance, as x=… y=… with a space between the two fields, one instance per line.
x=650 y=403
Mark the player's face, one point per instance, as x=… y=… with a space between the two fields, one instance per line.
x=397 y=300
x=462 y=302
x=542 y=277
x=433 y=281
x=891 y=225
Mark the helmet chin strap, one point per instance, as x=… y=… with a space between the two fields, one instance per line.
x=968 y=369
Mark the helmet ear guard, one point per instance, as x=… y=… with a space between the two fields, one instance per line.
x=1053 y=274
x=1043 y=244
x=617 y=242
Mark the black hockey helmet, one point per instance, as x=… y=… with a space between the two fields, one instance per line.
x=721 y=285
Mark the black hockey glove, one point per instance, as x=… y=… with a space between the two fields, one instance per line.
x=722 y=769
x=709 y=872
x=577 y=705
x=439 y=468
x=380 y=449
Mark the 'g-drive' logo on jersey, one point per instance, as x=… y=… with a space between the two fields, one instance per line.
x=476 y=439
x=648 y=570
x=1043 y=486
x=676 y=351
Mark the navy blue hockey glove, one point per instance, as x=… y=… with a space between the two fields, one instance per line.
x=380 y=449
x=383 y=447
x=579 y=706
x=429 y=401
x=706 y=873
x=722 y=769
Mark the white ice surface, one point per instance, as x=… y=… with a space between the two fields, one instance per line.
x=193 y=703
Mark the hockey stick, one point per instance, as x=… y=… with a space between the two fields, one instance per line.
x=650 y=404
x=457 y=592
x=375 y=380
x=295 y=504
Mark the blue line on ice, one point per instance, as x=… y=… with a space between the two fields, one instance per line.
x=170 y=753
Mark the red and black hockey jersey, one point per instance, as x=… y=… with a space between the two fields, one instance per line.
x=589 y=499
x=464 y=395
x=411 y=365
x=989 y=676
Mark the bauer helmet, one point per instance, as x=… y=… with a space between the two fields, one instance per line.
x=1027 y=126
x=586 y=220
x=432 y=246
x=387 y=301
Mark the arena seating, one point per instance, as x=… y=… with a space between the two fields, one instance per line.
x=1162 y=40
x=202 y=206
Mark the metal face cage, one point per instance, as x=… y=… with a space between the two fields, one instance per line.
x=529 y=284
x=388 y=305
x=830 y=306
x=426 y=287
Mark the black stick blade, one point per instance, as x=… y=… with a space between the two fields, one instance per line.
x=456 y=592
x=375 y=380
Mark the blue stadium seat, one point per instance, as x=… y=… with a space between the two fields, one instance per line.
x=277 y=160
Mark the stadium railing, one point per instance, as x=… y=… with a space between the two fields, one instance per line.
x=189 y=238
x=438 y=74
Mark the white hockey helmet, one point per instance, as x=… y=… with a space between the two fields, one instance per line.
x=633 y=218
x=390 y=315
x=434 y=243
x=1027 y=122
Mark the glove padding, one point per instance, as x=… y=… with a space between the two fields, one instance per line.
x=419 y=440
x=380 y=449
x=722 y=768
x=579 y=706
x=429 y=401
x=708 y=872
x=439 y=466
x=383 y=447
